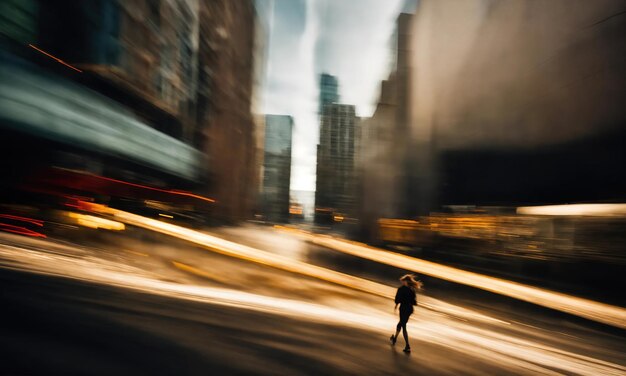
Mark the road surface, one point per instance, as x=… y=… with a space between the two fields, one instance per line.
x=141 y=303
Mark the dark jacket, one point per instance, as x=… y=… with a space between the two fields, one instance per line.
x=405 y=296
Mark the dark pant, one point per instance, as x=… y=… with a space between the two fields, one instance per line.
x=404 y=318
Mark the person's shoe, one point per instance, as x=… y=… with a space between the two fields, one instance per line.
x=393 y=340
x=407 y=350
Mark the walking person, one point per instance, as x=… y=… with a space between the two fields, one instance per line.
x=406 y=297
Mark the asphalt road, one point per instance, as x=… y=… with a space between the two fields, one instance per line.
x=138 y=303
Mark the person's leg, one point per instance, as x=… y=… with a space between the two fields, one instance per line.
x=405 y=335
x=404 y=320
x=394 y=337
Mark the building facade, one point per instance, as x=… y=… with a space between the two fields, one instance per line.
x=142 y=53
x=161 y=91
x=329 y=91
x=226 y=88
x=518 y=103
x=384 y=155
x=277 y=167
x=336 y=183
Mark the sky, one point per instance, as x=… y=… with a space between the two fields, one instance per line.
x=350 y=39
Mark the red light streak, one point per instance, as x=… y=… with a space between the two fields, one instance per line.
x=171 y=191
x=55 y=58
x=21 y=230
x=37 y=222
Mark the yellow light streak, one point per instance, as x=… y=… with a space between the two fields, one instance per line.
x=96 y=222
x=575 y=209
x=199 y=272
x=244 y=252
x=138 y=253
x=589 y=309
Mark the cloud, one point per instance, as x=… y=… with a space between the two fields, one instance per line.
x=354 y=44
x=349 y=39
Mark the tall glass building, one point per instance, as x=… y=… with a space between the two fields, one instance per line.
x=277 y=167
x=335 y=184
x=329 y=90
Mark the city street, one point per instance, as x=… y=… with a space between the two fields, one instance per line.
x=272 y=187
x=141 y=302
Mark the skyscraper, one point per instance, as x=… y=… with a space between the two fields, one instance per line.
x=226 y=81
x=329 y=90
x=277 y=167
x=335 y=187
x=385 y=183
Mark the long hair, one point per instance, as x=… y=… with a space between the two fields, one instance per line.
x=412 y=282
